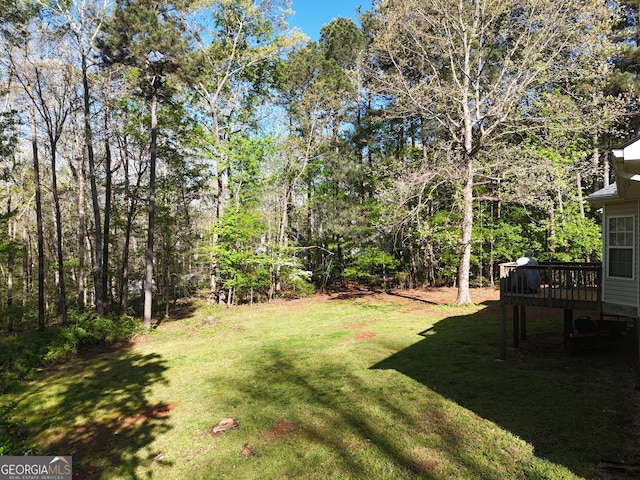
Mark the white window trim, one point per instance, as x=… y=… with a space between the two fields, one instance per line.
x=633 y=247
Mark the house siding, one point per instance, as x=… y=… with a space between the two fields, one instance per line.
x=620 y=291
x=632 y=151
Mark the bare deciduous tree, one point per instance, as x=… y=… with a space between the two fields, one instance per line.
x=475 y=67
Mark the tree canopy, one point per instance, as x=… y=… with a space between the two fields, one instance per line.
x=207 y=149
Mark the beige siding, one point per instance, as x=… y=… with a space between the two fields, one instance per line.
x=620 y=291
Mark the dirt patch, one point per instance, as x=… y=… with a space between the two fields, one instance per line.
x=422 y=467
x=445 y=295
x=94 y=443
x=416 y=296
x=364 y=335
x=151 y=413
x=433 y=296
x=280 y=430
x=249 y=451
x=109 y=348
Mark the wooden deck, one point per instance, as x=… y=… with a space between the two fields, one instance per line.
x=562 y=285
x=570 y=286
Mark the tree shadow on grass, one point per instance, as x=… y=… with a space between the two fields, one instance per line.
x=400 y=294
x=339 y=424
x=97 y=410
x=368 y=425
x=574 y=410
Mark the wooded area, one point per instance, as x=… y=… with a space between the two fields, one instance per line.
x=155 y=150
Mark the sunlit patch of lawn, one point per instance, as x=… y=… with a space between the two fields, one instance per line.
x=365 y=387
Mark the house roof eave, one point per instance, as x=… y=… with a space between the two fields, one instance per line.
x=605 y=195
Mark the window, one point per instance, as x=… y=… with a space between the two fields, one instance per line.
x=620 y=236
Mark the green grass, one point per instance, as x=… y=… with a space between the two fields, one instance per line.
x=353 y=388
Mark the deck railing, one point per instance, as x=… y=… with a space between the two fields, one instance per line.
x=560 y=285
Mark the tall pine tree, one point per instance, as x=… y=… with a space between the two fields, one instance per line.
x=148 y=38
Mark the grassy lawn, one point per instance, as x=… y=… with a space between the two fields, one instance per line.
x=343 y=387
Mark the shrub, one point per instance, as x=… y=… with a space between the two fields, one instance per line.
x=87 y=330
x=371 y=266
x=300 y=282
x=13 y=437
x=22 y=355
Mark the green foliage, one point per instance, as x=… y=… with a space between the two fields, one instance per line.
x=299 y=281
x=148 y=37
x=342 y=41
x=504 y=241
x=358 y=162
x=19 y=316
x=371 y=266
x=246 y=160
x=87 y=330
x=22 y=355
x=623 y=81
x=13 y=436
x=444 y=236
x=541 y=469
x=578 y=240
x=506 y=238
x=242 y=262
x=238 y=57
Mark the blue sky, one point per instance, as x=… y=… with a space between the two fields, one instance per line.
x=312 y=14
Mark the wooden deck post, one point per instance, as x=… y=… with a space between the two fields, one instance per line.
x=636 y=332
x=503 y=333
x=568 y=326
x=568 y=286
x=516 y=327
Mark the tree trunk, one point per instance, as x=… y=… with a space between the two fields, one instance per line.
x=464 y=267
x=148 y=284
x=106 y=298
x=26 y=271
x=552 y=229
x=81 y=233
x=413 y=275
x=220 y=201
x=580 y=202
x=39 y=223
x=222 y=180
x=132 y=198
x=62 y=291
x=97 y=223
x=220 y=209
x=124 y=269
x=10 y=265
x=595 y=161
